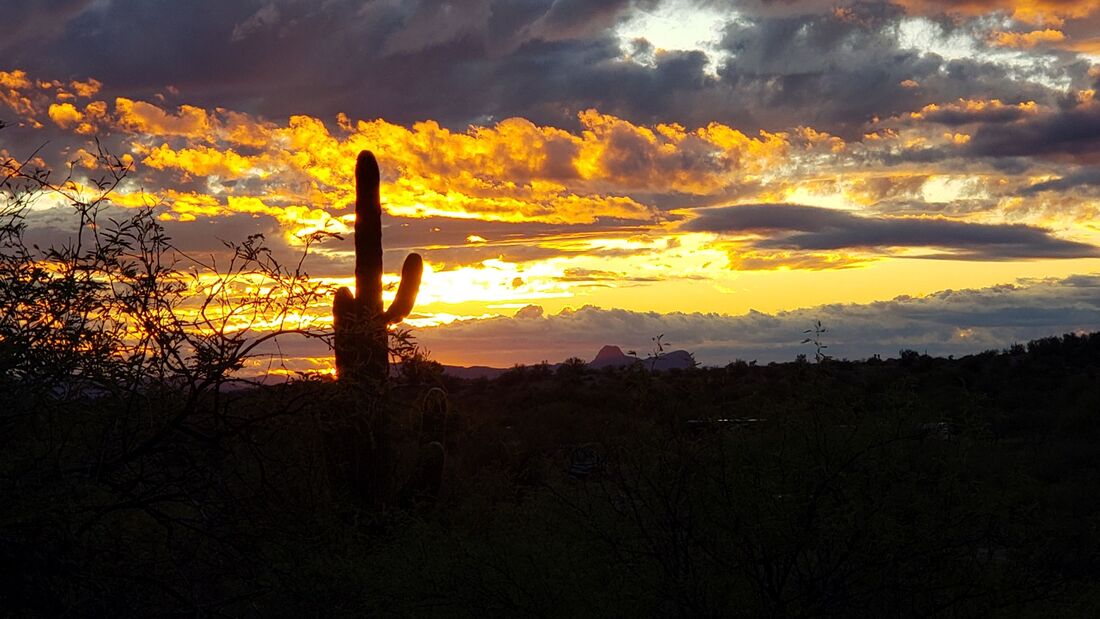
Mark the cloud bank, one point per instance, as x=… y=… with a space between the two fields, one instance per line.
x=797 y=227
x=951 y=322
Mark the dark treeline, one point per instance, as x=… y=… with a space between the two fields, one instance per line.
x=915 y=486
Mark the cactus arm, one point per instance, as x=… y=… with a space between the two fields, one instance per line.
x=343 y=309
x=402 y=304
x=368 y=234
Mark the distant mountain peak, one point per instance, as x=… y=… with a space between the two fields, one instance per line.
x=609 y=353
x=612 y=356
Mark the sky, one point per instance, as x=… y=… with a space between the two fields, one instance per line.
x=918 y=174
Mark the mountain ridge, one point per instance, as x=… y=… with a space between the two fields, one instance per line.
x=608 y=356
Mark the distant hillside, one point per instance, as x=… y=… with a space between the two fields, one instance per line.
x=608 y=357
x=472 y=372
x=614 y=357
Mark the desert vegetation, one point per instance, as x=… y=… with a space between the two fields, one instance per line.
x=144 y=474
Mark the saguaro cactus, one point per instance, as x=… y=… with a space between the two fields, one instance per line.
x=361 y=343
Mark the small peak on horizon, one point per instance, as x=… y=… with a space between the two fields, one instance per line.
x=609 y=352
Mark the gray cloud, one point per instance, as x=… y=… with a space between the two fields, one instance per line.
x=1072 y=132
x=386 y=58
x=791 y=226
x=786 y=63
x=261 y=20
x=839 y=71
x=39 y=20
x=443 y=240
x=578 y=18
x=1088 y=178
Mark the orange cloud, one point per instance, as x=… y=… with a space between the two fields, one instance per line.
x=1027 y=40
x=812 y=138
x=670 y=158
x=201 y=161
x=89 y=122
x=28 y=98
x=958 y=139
x=86 y=89
x=512 y=171
x=65 y=115
x=975 y=110
x=96 y=110
x=11 y=85
x=15 y=80
x=242 y=129
x=1086 y=46
x=146 y=118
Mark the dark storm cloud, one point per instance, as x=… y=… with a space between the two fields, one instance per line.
x=788 y=64
x=1072 y=133
x=790 y=226
x=575 y=18
x=38 y=20
x=549 y=82
x=404 y=61
x=445 y=231
x=839 y=71
x=453 y=242
x=1083 y=178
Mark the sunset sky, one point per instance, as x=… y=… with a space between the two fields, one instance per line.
x=915 y=174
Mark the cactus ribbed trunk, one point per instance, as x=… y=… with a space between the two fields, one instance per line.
x=362 y=341
x=368 y=266
x=361 y=325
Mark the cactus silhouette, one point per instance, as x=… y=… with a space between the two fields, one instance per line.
x=360 y=323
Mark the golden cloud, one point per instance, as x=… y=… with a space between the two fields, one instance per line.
x=12 y=83
x=148 y=119
x=976 y=110
x=28 y=98
x=1087 y=46
x=65 y=115
x=86 y=89
x=1027 y=40
x=14 y=80
x=511 y=171
x=200 y=161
